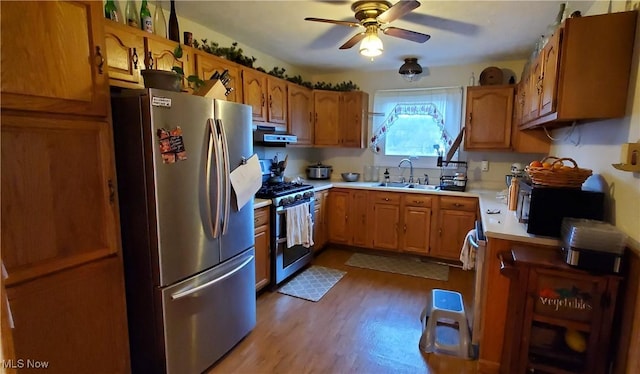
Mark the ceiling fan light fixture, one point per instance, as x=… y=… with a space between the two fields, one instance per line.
x=411 y=71
x=371 y=45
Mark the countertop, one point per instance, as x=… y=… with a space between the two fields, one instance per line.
x=502 y=225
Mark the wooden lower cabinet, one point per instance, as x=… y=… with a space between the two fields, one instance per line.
x=416 y=224
x=73 y=320
x=263 y=247
x=320 y=222
x=456 y=216
x=385 y=220
x=347 y=221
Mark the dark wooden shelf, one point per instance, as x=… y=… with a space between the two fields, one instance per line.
x=575 y=325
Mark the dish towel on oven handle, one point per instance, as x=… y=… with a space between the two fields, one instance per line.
x=468 y=253
x=299 y=225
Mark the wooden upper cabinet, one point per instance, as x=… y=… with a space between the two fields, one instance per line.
x=254 y=91
x=326 y=126
x=300 y=113
x=159 y=54
x=526 y=141
x=276 y=100
x=58 y=195
x=206 y=64
x=125 y=55
x=53 y=57
x=354 y=106
x=267 y=96
x=488 y=117
x=586 y=75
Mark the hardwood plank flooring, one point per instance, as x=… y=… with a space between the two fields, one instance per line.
x=369 y=322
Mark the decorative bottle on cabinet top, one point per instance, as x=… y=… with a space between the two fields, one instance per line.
x=159 y=22
x=133 y=18
x=146 y=23
x=112 y=12
x=174 y=30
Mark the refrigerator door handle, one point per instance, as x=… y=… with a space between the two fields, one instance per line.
x=227 y=177
x=212 y=151
x=181 y=294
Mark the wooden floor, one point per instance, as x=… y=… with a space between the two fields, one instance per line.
x=369 y=322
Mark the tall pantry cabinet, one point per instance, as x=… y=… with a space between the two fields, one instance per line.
x=59 y=217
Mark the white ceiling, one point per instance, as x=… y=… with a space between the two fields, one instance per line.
x=462 y=32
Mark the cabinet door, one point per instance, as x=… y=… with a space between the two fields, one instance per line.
x=58 y=195
x=550 y=56
x=526 y=141
x=300 y=110
x=125 y=53
x=488 y=120
x=384 y=226
x=532 y=104
x=338 y=218
x=53 y=57
x=358 y=225
x=74 y=319
x=254 y=91
x=263 y=246
x=206 y=64
x=353 y=114
x=454 y=226
x=277 y=100
x=159 y=55
x=416 y=224
x=327 y=107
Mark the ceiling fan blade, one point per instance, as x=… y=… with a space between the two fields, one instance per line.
x=353 y=41
x=343 y=23
x=398 y=10
x=414 y=36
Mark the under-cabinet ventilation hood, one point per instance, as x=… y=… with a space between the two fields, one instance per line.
x=272 y=136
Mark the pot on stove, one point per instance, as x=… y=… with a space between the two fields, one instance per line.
x=319 y=171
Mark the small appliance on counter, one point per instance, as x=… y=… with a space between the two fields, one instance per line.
x=319 y=171
x=543 y=208
x=592 y=245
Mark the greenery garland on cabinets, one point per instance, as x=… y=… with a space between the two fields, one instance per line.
x=235 y=54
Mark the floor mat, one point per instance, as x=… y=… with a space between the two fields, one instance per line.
x=312 y=283
x=406 y=266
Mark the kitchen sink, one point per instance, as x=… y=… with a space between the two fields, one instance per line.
x=393 y=184
x=406 y=185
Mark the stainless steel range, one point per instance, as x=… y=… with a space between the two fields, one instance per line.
x=285 y=261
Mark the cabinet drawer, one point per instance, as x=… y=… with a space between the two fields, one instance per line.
x=417 y=200
x=261 y=216
x=458 y=203
x=385 y=198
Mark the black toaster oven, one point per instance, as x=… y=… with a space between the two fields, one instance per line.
x=543 y=208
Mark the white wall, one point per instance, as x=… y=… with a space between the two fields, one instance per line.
x=599 y=146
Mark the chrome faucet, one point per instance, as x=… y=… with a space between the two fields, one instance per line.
x=410 y=169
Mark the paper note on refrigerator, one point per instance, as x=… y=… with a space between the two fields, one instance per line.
x=246 y=180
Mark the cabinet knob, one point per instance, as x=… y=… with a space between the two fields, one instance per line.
x=418 y=202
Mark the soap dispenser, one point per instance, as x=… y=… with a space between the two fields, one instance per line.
x=386 y=176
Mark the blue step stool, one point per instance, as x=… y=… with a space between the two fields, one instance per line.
x=444 y=324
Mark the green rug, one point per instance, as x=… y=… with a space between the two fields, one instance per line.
x=406 y=266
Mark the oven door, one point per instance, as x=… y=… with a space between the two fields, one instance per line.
x=287 y=261
x=479 y=243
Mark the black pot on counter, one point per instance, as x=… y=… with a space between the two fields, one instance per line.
x=319 y=171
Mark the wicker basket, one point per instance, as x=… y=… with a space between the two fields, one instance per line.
x=559 y=174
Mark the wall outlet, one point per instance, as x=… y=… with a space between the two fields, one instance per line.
x=485 y=166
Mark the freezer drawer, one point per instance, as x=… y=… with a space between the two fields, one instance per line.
x=206 y=315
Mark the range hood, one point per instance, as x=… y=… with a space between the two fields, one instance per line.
x=272 y=136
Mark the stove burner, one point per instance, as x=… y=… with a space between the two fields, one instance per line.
x=269 y=191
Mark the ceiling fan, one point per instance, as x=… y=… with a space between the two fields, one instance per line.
x=373 y=16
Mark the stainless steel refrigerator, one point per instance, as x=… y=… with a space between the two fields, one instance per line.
x=188 y=251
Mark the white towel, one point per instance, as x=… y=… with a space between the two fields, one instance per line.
x=468 y=253
x=299 y=226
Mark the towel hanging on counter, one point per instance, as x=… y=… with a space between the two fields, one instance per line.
x=468 y=253
x=299 y=225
